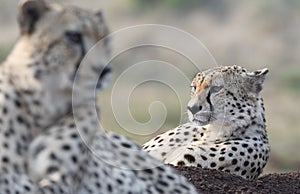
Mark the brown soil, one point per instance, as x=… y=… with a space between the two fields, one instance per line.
x=213 y=181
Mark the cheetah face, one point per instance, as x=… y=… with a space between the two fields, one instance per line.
x=207 y=102
x=56 y=39
x=216 y=94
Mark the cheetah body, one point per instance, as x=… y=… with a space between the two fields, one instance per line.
x=50 y=137
x=227 y=125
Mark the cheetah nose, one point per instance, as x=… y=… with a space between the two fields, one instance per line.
x=102 y=70
x=195 y=108
x=105 y=71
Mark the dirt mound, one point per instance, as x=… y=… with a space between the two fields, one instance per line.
x=213 y=181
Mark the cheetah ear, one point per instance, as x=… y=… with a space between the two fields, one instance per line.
x=99 y=14
x=30 y=11
x=256 y=80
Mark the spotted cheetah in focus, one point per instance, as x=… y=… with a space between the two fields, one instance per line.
x=227 y=128
x=49 y=135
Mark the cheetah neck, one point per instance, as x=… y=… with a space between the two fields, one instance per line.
x=251 y=124
x=16 y=128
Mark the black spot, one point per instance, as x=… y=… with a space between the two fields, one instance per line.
x=221 y=168
x=203 y=157
x=161 y=182
x=212 y=155
x=52 y=156
x=244 y=145
x=20 y=119
x=98 y=185
x=126 y=145
x=246 y=163
x=189 y=158
x=250 y=150
x=109 y=188
x=180 y=163
x=213 y=164
x=18 y=103
x=186 y=133
x=221 y=158
x=149 y=171
x=116 y=136
x=52 y=169
x=27 y=188
x=234 y=161
x=96 y=175
x=244 y=172
x=74 y=159
x=5 y=159
x=74 y=135
x=66 y=147
x=234 y=149
x=125 y=154
x=72 y=125
x=160 y=168
x=120 y=181
x=170 y=177
x=4 y=110
x=5 y=145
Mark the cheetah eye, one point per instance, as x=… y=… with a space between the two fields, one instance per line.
x=215 y=89
x=193 y=89
x=74 y=37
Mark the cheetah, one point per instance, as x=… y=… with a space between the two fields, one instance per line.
x=49 y=135
x=36 y=79
x=226 y=128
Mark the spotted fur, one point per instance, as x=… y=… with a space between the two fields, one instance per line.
x=49 y=133
x=227 y=128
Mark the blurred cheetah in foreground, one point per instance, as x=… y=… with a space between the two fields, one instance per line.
x=227 y=128
x=49 y=135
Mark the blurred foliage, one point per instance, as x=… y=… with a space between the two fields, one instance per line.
x=3 y=54
x=175 y=4
x=291 y=80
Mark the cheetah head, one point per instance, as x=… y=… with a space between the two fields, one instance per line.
x=222 y=93
x=49 y=60
x=51 y=49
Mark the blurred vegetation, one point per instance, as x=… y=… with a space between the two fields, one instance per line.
x=175 y=4
x=3 y=54
x=291 y=80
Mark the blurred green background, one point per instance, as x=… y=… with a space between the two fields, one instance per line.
x=253 y=34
